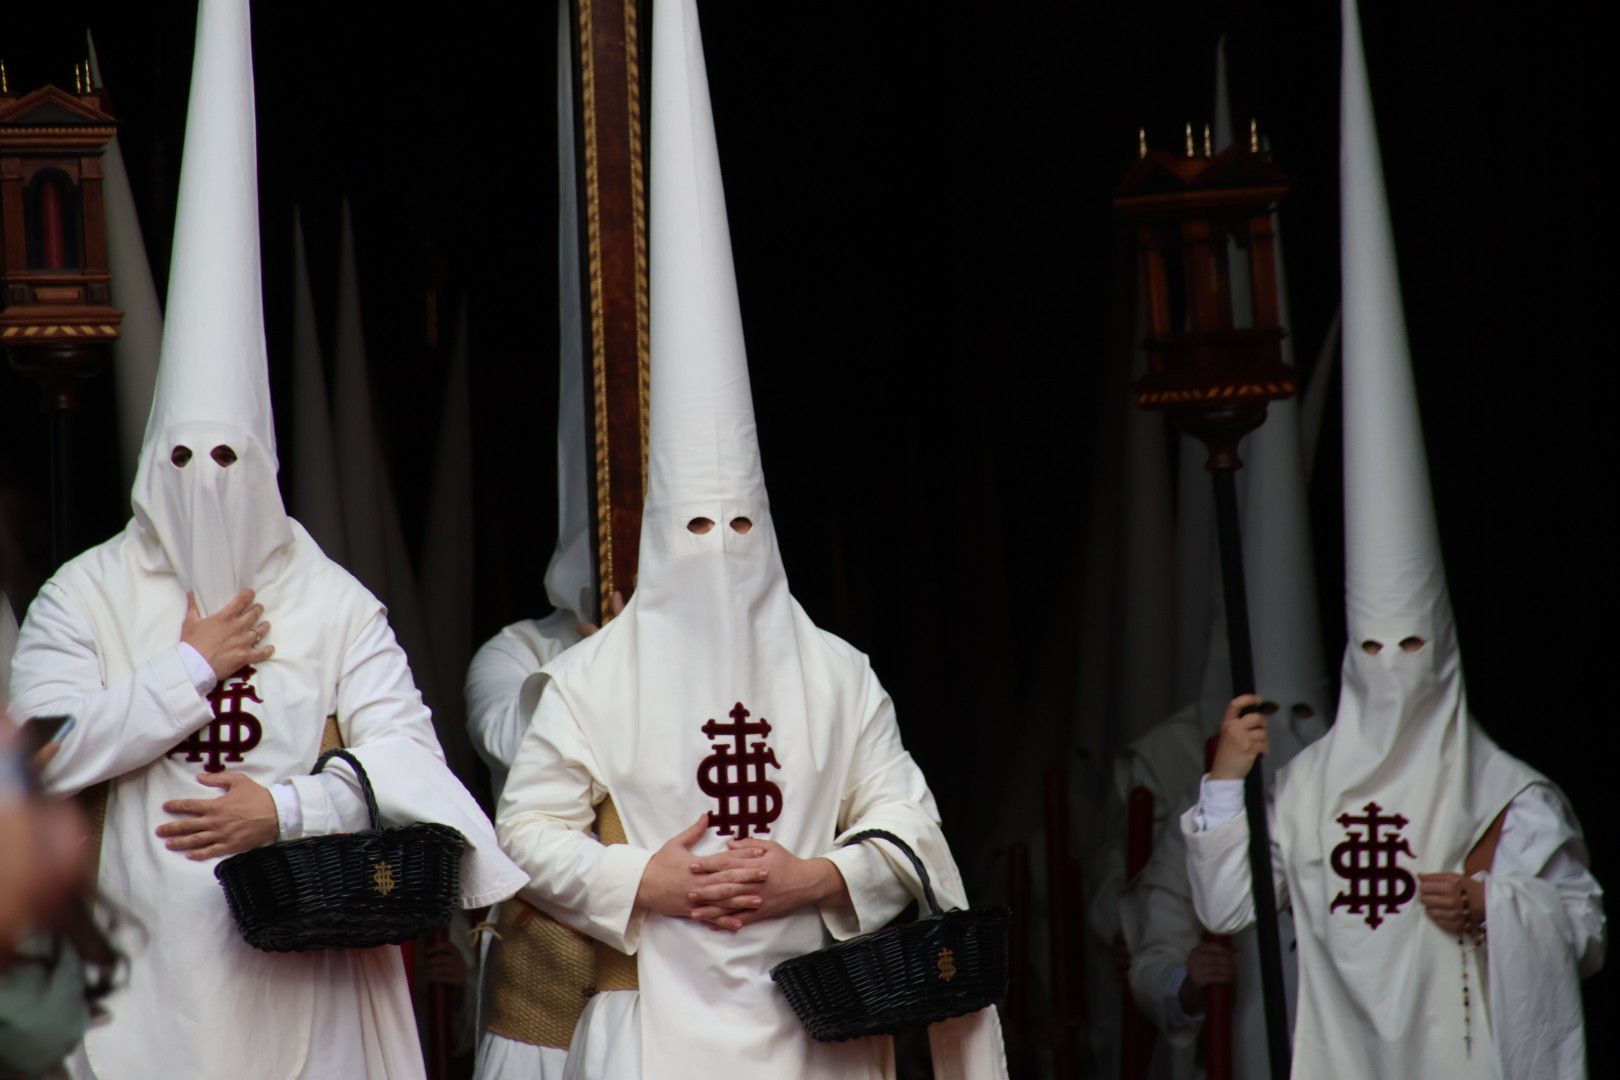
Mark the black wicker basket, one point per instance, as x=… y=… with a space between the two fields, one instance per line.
x=945 y=964
x=347 y=890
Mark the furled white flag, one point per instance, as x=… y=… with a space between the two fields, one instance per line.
x=135 y=353
x=315 y=501
x=374 y=538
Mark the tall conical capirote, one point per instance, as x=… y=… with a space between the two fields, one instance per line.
x=1404 y=759
x=702 y=441
x=316 y=501
x=570 y=576
x=206 y=485
x=1395 y=582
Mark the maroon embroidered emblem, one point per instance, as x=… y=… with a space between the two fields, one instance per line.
x=1367 y=860
x=735 y=776
x=232 y=732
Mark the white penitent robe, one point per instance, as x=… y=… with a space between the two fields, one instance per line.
x=1166 y=760
x=504 y=684
x=1165 y=931
x=1544 y=931
x=503 y=688
x=199 y=1003
x=706 y=1002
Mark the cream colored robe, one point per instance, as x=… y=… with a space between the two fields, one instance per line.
x=199 y=1002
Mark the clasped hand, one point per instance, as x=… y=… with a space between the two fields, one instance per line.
x=752 y=879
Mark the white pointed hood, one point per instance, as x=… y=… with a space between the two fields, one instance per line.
x=1197 y=560
x=1145 y=680
x=315 y=473
x=1395 y=582
x=364 y=495
x=1402 y=735
x=219 y=527
x=570 y=576
x=1285 y=626
x=703 y=452
x=1404 y=783
x=140 y=336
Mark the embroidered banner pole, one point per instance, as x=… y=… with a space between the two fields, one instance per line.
x=613 y=205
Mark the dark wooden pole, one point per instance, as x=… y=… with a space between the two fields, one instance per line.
x=1223 y=470
x=60 y=370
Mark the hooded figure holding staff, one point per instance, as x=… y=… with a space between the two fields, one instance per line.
x=207 y=651
x=1443 y=907
x=737 y=740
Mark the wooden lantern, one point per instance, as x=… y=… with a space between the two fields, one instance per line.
x=56 y=312
x=1203 y=224
x=56 y=315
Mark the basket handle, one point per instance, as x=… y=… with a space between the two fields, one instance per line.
x=360 y=774
x=922 y=871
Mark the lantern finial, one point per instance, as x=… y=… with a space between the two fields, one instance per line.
x=1209 y=143
x=1191 y=152
x=1254 y=136
x=1141 y=134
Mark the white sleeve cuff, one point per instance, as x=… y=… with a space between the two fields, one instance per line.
x=1174 y=1015
x=876 y=894
x=1219 y=801
x=289 y=810
x=198 y=670
x=615 y=881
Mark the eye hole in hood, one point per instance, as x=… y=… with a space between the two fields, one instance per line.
x=180 y=456
x=223 y=456
x=699 y=525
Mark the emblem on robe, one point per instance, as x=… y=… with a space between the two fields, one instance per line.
x=735 y=776
x=232 y=732
x=382 y=879
x=1367 y=859
x=945 y=965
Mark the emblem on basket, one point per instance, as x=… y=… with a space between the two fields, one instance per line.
x=747 y=800
x=382 y=879
x=946 y=965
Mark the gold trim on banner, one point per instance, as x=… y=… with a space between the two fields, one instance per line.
x=638 y=201
x=593 y=255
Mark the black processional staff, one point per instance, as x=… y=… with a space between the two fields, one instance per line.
x=1214 y=376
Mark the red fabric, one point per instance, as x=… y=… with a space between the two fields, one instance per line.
x=51 y=244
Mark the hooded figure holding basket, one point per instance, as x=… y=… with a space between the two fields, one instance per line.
x=740 y=744
x=207 y=651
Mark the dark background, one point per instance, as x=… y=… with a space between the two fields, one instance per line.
x=932 y=281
